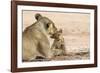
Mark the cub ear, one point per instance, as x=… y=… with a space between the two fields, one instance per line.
x=60 y=30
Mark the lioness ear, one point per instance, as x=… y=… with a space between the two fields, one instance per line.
x=38 y=16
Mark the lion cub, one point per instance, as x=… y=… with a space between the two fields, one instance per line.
x=58 y=45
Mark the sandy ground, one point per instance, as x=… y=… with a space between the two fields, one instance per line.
x=77 y=43
x=73 y=56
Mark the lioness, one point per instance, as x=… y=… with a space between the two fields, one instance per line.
x=35 y=41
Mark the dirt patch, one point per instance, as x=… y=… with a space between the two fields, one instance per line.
x=73 y=56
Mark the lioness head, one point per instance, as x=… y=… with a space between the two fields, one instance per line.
x=51 y=29
x=48 y=24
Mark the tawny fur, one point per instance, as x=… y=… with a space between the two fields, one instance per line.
x=58 y=45
x=35 y=41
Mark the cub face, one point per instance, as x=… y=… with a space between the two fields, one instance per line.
x=57 y=34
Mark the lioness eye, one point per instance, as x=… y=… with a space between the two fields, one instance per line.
x=47 y=26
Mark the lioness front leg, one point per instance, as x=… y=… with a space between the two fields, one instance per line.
x=46 y=50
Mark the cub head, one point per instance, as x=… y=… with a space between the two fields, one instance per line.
x=57 y=34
